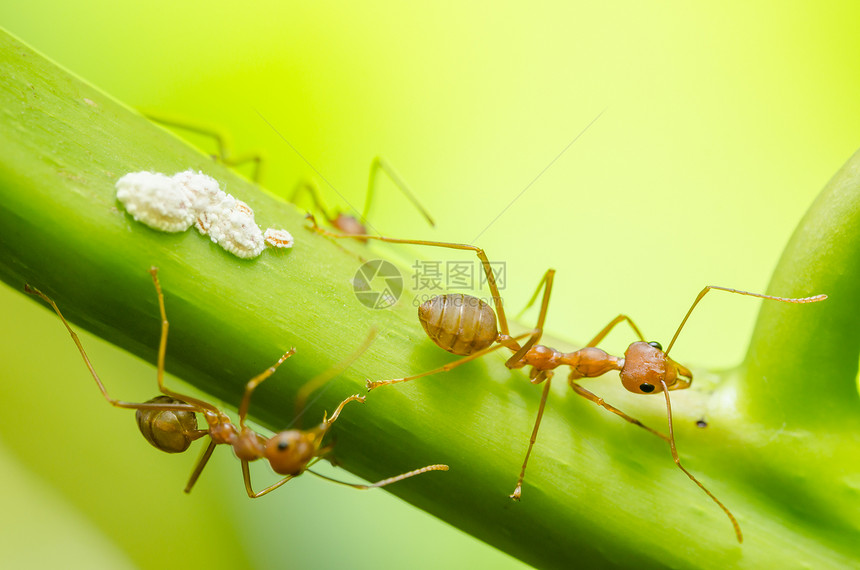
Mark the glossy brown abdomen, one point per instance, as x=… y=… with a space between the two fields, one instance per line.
x=459 y=323
x=168 y=430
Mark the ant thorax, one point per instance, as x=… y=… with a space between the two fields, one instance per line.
x=541 y=357
x=221 y=430
x=590 y=362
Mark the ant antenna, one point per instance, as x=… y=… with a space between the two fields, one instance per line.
x=704 y=292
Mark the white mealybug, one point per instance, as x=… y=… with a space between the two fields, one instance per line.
x=156 y=200
x=278 y=238
x=172 y=204
x=206 y=195
x=232 y=226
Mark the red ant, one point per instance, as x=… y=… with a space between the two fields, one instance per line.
x=222 y=140
x=465 y=325
x=169 y=422
x=343 y=222
x=352 y=225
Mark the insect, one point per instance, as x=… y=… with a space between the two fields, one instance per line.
x=467 y=326
x=341 y=221
x=225 y=153
x=169 y=422
x=352 y=225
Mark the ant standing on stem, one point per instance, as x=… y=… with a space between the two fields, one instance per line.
x=169 y=422
x=465 y=325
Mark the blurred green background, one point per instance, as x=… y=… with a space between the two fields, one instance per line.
x=719 y=125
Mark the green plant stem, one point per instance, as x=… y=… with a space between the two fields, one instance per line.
x=598 y=492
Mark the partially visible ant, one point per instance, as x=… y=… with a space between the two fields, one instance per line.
x=169 y=422
x=225 y=153
x=465 y=325
x=352 y=225
x=341 y=221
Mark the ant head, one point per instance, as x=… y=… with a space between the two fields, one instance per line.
x=290 y=451
x=646 y=368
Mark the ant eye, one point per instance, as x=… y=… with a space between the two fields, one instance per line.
x=656 y=345
x=646 y=387
x=283 y=444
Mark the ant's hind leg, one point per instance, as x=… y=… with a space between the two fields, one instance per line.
x=179 y=407
x=162 y=351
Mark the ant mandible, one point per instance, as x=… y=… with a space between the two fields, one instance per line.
x=465 y=325
x=169 y=422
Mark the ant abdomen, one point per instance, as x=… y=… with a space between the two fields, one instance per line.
x=168 y=430
x=459 y=323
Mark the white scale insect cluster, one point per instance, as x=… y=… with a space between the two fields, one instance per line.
x=174 y=203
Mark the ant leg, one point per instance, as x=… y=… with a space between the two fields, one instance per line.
x=256 y=381
x=600 y=402
x=378 y=163
x=353 y=225
x=311 y=188
x=606 y=330
x=813 y=299
x=162 y=351
x=321 y=380
x=534 y=297
x=451 y=365
x=677 y=460
x=201 y=463
x=482 y=256
x=328 y=421
x=384 y=482
x=546 y=282
x=221 y=138
x=246 y=475
x=112 y=401
x=548 y=376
